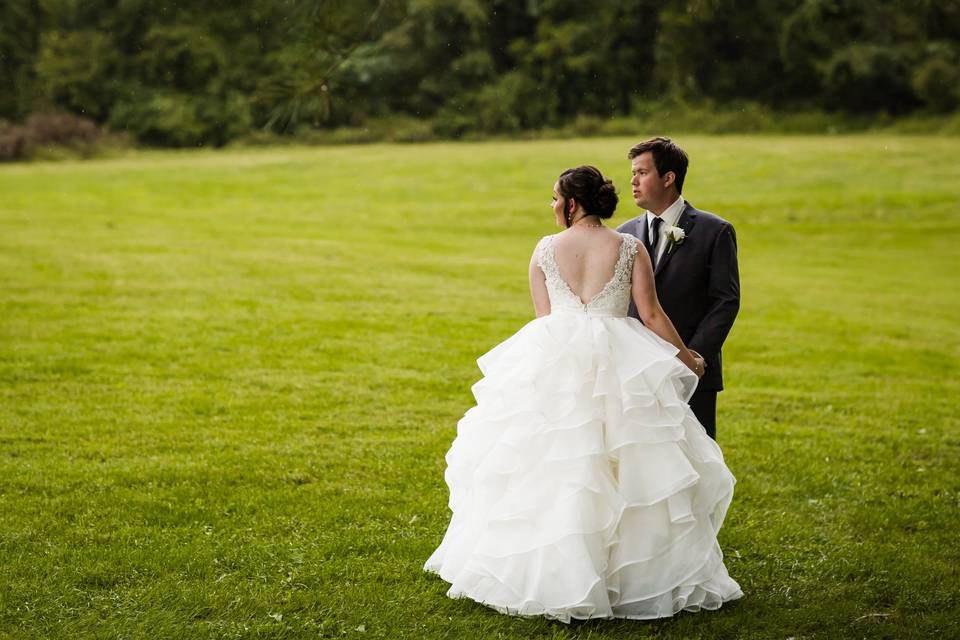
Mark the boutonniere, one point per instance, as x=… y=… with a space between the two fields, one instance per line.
x=675 y=236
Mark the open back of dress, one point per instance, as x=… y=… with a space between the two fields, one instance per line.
x=587 y=264
x=612 y=297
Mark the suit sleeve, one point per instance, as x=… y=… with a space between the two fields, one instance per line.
x=724 y=295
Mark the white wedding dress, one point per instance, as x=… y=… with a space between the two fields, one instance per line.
x=581 y=484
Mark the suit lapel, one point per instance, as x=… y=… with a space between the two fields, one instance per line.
x=642 y=230
x=686 y=221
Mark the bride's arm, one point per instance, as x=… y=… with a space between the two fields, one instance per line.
x=538 y=288
x=644 y=292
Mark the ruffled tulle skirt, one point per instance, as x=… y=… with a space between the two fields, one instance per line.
x=581 y=484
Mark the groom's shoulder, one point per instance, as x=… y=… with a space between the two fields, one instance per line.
x=630 y=226
x=708 y=218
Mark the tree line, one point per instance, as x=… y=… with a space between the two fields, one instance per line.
x=208 y=71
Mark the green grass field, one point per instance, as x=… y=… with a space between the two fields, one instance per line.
x=228 y=379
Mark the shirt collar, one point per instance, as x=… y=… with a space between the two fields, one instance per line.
x=671 y=215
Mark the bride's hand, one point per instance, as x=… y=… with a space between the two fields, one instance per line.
x=700 y=365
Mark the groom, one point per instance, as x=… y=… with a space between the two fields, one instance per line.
x=695 y=269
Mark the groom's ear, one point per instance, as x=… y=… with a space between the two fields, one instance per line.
x=669 y=178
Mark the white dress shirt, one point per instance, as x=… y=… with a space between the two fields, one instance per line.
x=670 y=216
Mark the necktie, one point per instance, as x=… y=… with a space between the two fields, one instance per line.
x=654 y=239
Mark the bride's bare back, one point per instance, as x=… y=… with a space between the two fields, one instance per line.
x=587 y=258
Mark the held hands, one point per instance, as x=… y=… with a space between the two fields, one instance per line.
x=699 y=364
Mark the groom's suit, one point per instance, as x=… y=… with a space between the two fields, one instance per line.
x=698 y=284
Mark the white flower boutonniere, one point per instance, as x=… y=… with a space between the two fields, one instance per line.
x=675 y=236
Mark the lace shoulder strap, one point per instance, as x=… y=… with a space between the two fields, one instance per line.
x=628 y=251
x=629 y=247
x=544 y=257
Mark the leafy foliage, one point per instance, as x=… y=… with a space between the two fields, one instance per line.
x=207 y=72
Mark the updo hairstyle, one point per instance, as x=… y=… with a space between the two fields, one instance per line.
x=596 y=195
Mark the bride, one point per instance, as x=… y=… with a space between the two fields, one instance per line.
x=581 y=484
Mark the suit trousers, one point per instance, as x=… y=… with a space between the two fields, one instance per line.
x=704 y=406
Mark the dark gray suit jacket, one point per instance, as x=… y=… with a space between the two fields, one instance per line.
x=698 y=284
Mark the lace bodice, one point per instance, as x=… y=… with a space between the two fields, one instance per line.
x=613 y=299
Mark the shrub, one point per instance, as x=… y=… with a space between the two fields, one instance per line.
x=868 y=78
x=18 y=142
x=77 y=71
x=937 y=83
x=170 y=118
x=410 y=130
x=64 y=129
x=183 y=58
x=586 y=125
x=509 y=105
x=14 y=144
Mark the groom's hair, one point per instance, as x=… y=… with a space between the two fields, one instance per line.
x=667 y=156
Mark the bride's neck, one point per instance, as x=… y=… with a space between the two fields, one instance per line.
x=586 y=220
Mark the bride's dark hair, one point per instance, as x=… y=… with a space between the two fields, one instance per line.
x=595 y=194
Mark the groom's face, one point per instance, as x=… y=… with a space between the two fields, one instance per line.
x=649 y=190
